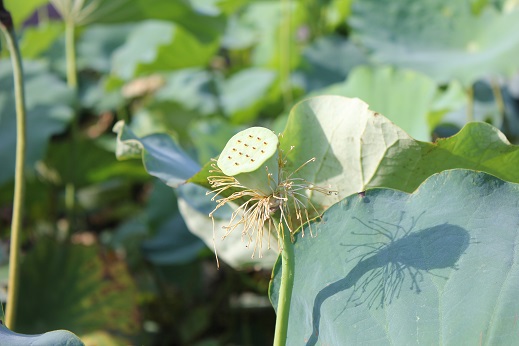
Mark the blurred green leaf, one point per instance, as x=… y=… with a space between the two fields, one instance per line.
x=328 y=60
x=21 y=10
x=74 y=287
x=94 y=95
x=389 y=92
x=484 y=108
x=94 y=158
x=246 y=92
x=206 y=26
x=443 y=39
x=210 y=136
x=159 y=46
x=36 y=40
x=257 y=25
x=48 y=113
x=191 y=88
x=173 y=244
x=391 y=268
x=101 y=338
x=56 y=338
x=97 y=44
x=337 y=12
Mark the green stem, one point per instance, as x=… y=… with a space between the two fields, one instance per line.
x=70 y=52
x=498 y=97
x=470 y=104
x=284 y=49
x=19 y=183
x=285 y=289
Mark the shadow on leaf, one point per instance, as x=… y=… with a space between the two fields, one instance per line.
x=378 y=276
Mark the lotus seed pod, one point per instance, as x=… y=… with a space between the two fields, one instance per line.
x=251 y=157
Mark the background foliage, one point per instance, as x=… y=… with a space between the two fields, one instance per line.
x=185 y=76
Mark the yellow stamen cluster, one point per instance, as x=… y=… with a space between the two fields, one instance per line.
x=255 y=210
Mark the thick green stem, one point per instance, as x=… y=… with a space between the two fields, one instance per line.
x=285 y=289
x=70 y=188
x=19 y=183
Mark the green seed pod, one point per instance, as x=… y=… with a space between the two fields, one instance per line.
x=251 y=157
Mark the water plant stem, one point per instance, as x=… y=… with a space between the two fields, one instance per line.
x=498 y=97
x=70 y=53
x=285 y=289
x=7 y=29
x=470 y=104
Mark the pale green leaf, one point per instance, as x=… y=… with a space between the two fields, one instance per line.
x=443 y=39
x=435 y=267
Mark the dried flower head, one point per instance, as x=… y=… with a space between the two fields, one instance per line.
x=254 y=171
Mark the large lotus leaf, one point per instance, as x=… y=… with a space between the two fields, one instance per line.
x=160 y=46
x=357 y=148
x=75 y=287
x=162 y=157
x=435 y=267
x=383 y=88
x=48 y=113
x=443 y=39
x=195 y=206
x=56 y=338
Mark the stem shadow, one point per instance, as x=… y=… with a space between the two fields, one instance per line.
x=386 y=265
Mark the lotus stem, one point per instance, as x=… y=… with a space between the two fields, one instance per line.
x=70 y=52
x=285 y=289
x=7 y=29
x=470 y=103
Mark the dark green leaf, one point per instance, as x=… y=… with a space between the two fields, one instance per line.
x=173 y=244
x=74 y=287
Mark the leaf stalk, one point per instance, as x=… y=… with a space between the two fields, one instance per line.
x=71 y=61
x=7 y=29
x=285 y=289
